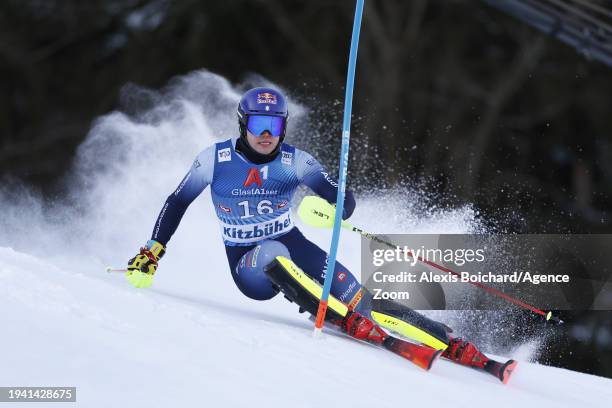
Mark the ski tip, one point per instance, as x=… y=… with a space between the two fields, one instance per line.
x=506 y=370
x=433 y=359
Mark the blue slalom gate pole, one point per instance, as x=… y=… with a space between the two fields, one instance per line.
x=344 y=153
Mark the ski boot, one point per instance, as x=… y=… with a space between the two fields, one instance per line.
x=360 y=327
x=464 y=353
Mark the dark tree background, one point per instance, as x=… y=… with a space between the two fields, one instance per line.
x=451 y=94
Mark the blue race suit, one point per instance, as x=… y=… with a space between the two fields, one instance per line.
x=253 y=204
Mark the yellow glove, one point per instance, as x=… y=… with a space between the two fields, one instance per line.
x=142 y=267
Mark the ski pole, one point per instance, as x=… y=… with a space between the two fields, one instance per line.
x=317 y=212
x=344 y=152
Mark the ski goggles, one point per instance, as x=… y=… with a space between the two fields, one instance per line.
x=258 y=124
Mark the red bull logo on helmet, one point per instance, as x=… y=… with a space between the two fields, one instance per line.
x=266 y=97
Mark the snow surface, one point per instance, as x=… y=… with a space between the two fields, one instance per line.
x=193 y=339
x=173 y=346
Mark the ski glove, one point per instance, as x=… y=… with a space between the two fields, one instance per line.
x=142 y=267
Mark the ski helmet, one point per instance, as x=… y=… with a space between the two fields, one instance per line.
x=269 y=110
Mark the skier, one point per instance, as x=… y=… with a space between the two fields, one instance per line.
x=252 y=179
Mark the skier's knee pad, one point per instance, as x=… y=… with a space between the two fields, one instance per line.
x=249 y=274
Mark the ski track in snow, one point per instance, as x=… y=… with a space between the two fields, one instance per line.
x=194 y=340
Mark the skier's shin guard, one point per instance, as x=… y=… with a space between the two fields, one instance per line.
x=306 y=293
x=406 y=322
x=302 y=289
x=408 y=328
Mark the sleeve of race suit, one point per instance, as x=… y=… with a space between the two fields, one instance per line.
x=314 y=175
x=195 y=181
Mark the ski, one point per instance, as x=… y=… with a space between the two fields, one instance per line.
x=502 y=371
x=306 y=292
x=422 y=356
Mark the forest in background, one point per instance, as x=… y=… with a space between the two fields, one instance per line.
x=452 y=95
